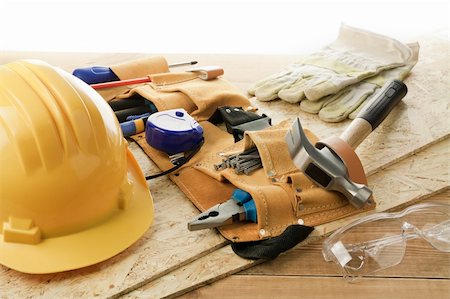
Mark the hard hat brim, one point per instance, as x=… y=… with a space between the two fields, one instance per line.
x=89 y=246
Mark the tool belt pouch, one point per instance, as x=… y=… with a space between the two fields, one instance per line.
x=283 y=196
x=134 y=69
x=199 y=97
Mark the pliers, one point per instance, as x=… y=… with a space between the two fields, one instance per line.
x=240 y=207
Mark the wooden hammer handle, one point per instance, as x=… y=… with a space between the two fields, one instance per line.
x=374 y=113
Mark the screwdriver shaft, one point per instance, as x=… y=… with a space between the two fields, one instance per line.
x=183 y=63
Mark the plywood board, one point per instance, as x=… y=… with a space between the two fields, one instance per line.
x=421 y=118
x=168 y=245
x=402 y=183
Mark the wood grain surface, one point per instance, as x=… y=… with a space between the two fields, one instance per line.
x=322 y=287
x=168 y=258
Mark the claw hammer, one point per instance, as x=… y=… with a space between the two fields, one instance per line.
x=332 y=163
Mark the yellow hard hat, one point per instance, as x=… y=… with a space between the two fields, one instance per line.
x=71 y=192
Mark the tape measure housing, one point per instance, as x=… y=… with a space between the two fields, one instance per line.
x=173 y=131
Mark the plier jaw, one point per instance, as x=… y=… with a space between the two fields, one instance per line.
x=238 y=208
x=218 y=215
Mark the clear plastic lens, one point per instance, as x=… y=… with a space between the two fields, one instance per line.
x=379 y=241
x=432 y=225
x=438 y=236
x=373 y=246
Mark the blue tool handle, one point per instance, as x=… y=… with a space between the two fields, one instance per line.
x=245 y=199
x=95 y=74
x=250 y=211
x=128 y=128
x=241 y=196
x=132 y=127
x=133 y=117
x=123 y=114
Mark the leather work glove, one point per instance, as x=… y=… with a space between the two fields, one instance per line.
x=350 y=100
x=354 y=56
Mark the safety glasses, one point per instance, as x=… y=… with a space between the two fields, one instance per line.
x=378 y=241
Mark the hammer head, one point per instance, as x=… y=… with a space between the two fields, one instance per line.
x=324 y=167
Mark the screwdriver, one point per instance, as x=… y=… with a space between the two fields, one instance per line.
x=100 y=74
x=204 y=73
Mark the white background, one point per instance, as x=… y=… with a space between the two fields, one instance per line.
x=206 y=26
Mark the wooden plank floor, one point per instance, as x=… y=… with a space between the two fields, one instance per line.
x=303 y=273
x=322 y=287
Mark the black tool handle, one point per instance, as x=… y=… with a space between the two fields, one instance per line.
x=121 y=104
x=374 y=113
x=390 y=95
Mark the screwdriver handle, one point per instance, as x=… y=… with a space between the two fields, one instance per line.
x=374 y=113
x=132 y=127
x=95 y=74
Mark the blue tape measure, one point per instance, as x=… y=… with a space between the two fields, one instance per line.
x=173 y=131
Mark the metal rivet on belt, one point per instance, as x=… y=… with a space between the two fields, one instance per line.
x=262 y=232
x=300 y=221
